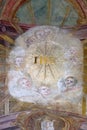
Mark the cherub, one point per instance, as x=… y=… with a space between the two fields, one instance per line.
x=66 y=84
x=18 y=61
x=70 y=81
x=44 y=91
x=24 y=83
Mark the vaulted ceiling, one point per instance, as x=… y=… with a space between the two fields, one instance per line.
x=42 y=12
x=16 y=16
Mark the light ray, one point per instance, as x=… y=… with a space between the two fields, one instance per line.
x=39 y=70
x=51 y=71
x=45 y=72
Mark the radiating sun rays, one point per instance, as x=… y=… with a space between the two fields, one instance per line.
x=47 y=62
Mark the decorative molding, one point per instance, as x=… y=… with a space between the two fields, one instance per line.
x=49 y=5
x=59 y=119
x=65 y=16
x=81 y=7
x=9 y=11
x=31 y=10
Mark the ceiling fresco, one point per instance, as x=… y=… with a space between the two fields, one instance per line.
x=53 y=12
x=65 y=13
x=40 y=13
x=18 y=16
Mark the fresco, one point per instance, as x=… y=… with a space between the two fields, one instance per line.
x=45 y=12
x=17 y=16
x=41 y=14
x=44 y=68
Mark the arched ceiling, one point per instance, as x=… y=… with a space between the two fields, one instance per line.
x=16 y=16
x=53 y=12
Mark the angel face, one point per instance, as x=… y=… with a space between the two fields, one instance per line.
x=70 y=81
x=24 y=83
x=30 y=40
x=43 y=34
x=18 y=61
x=40 y=34
x=44 y=90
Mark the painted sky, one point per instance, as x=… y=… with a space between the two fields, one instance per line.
x=38 y=12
